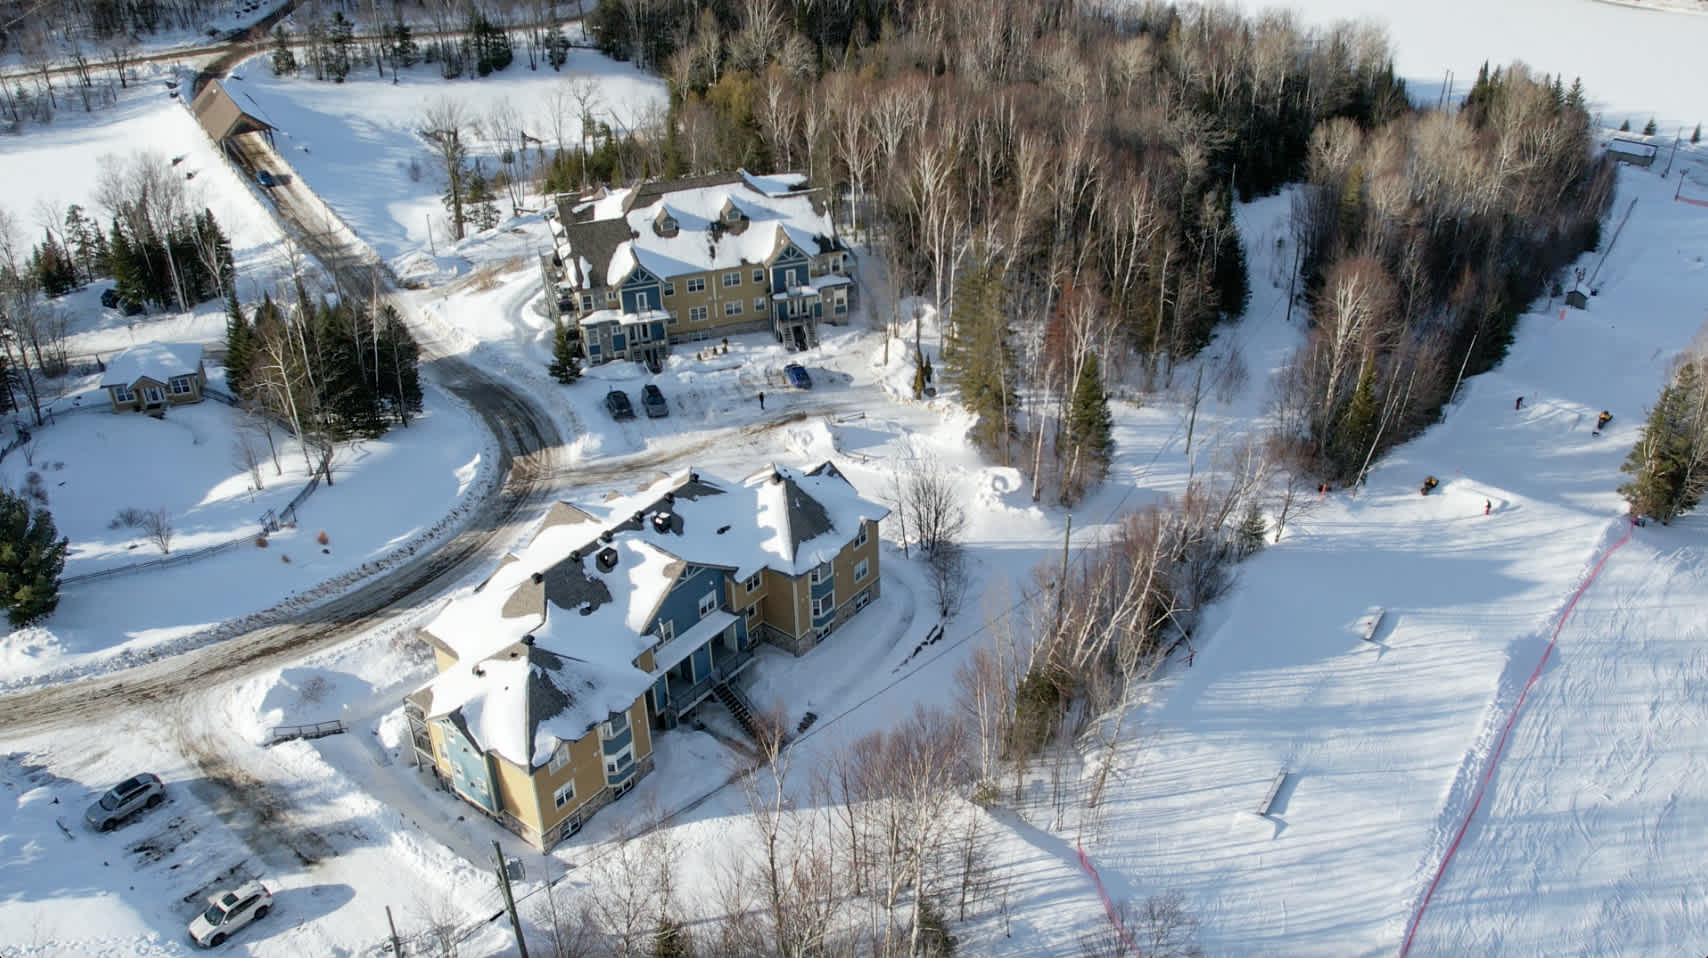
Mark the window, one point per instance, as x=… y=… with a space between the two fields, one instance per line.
x=640 y=332
x=610 y=296
x=564 y=795
x=617 y=725
x=615 y=764
x=560 y=758
x=836 y=264
x=861 y=568
x=752 y=611
x=759 y=304
x=860 y=539
x=666 y=630
x=823 y=605
x=123 y=394
x=708 y=603
x=732 y=278
x=670 y=289
x=759 y=275
x=732 y=308
x=820 y=573
x=180 y=385
x=697 y=284
x=587 y=304
x=153 y=394
x=643 y=302
x=697 y=314
x=670 y=319
x=752 y=583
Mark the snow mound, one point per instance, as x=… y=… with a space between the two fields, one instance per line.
x=28 y=646
x=1002 y=488
x=810 y=441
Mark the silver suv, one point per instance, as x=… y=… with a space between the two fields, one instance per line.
x=124 y=800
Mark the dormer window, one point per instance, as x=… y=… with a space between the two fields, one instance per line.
x=665 y=225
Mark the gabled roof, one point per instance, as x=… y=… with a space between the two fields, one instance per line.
x=587 y=588
x=220 y=115
x=156 y=361
x=603 y=239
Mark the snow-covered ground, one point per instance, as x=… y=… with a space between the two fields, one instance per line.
x=359 y=144
x=1635 y=63
x=1588 y=840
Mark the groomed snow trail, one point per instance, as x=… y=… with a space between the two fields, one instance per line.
x=1493 y=760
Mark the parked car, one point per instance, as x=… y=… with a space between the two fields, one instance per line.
x=652 y=400
x=265 y=178
x=124 y=800
x=617 y=404
x=797 y=376
x=228 y=911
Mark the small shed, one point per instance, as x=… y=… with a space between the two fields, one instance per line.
x=1578 y=296
x=152 y=376
x=223 y=118
x=1634 y=152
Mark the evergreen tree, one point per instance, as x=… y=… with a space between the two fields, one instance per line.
x=404 y=52
x=557 y=48
x=128 y=269
x=1625 y=127
x=1649 y=128
x=349 y=402
x=1090 y=428
x=1356 y=429
x=398 y=375
x=32 y=556
x=88 y=247
x=563 y=366
x=981 y=358
x=52 y=267
x=340 y=36
x=482 y=202
x=284 y=61
x=672 y=940
x=1252 y=529
x=1696 y=135
x=1667 y=463
x=239 y=346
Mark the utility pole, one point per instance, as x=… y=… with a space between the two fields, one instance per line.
x=1670 y=156
x=396 y=943
x=509 y=899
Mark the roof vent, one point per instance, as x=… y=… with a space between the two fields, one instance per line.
x=528 y=639
x=588 y=608
x=670 y=498
x=478 y=671
x=661 y=522
x=607 y=559
x=692 y=477
x=637 y=517
x=538 y=577
x=722 y=530
x=606 y=536
x=575 y=555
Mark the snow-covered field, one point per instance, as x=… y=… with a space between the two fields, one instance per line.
x=358 y=144
x=1592 y=828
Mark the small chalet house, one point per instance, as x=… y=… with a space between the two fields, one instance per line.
x=636 y=270
x=153 y=376
x=617 y=620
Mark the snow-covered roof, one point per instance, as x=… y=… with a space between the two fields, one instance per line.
x=608 y=237
x=545 y=648
x=1631 y=148
x=156 y=361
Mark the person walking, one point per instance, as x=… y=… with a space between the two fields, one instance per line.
x=761 y=401
x=1518 y=404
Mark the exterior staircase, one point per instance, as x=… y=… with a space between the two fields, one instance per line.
x=738 y=706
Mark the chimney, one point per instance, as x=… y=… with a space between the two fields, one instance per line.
x=538 y=577
x=606 y=559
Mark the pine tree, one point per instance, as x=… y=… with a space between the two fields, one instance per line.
x=404 y=52
x=672 y=940
x=557 y=48
x=1356 y=429
x=32 y=556
x=1696 y=135
x=128 y=269
x=339 y=38
x=980 y=357
x=239 y=347
x=1666 y=464
x=87 y=246
x=284 y=61
x=563 y=366
x=482 y=202
x=1625 y=127
x=1252 y=529
x=1090 y=428
x=1649 y=128
x=398 y=374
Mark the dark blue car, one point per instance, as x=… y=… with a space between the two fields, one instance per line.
x=265 y=178
x=796 y=374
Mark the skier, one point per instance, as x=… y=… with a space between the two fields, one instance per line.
x=1486 y=506
x=1602 y=420
x=1518 y=404
x=1429 y=482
